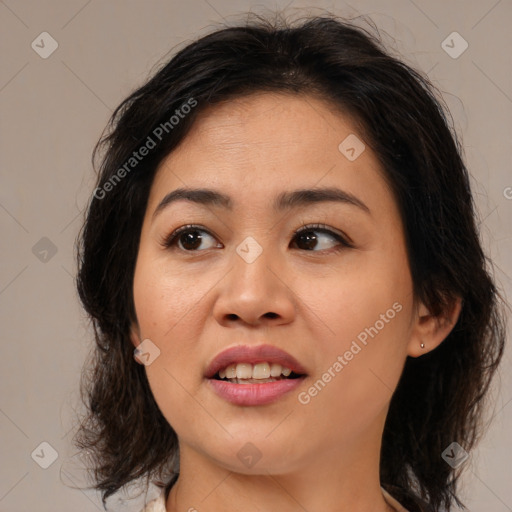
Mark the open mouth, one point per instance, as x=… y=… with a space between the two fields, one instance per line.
x=259 y=373
x=254 y=376
x=236 y=380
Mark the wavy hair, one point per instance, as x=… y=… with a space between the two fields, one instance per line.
x=440 y=396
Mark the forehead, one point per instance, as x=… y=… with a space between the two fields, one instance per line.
x=259 y=145
x=277 y=121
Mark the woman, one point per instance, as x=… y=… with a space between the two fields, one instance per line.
x=283 y=231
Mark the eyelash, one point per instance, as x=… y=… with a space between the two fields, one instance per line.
x=169 y=241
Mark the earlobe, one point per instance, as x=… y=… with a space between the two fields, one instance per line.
x=135 y=339
x=430 y=330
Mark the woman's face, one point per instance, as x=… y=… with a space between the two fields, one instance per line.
x=337 y=298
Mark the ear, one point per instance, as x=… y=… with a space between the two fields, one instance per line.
x=135 y=334
x=430 y=329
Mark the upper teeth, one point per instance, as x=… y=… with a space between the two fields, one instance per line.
x=256 y=371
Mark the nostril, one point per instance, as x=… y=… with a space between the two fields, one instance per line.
x=271 y=315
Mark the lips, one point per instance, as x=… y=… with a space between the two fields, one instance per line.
x=253 y=355
x=250 y=392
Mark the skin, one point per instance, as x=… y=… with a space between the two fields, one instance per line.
x=193 y=305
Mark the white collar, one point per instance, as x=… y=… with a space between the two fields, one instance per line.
x=158 y=504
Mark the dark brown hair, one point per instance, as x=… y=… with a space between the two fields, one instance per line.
x=440 y=395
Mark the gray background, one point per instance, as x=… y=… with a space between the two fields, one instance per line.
x=54 y=109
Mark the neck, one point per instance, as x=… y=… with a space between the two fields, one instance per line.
x=341 y=480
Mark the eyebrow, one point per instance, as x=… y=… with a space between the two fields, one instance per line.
x=284 y=201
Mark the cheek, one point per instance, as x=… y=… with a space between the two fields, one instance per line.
x=366 y=312
x=168 y=312
x=367 y=325
x=167 y=302
x=362 y=295
x=358 y=372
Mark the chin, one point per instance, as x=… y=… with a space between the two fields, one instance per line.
x=257 y=454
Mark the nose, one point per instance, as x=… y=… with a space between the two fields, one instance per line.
x=255 y=293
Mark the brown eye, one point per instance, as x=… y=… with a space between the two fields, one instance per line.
x=312 y=238
x=316 y=238
x=188 y=238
